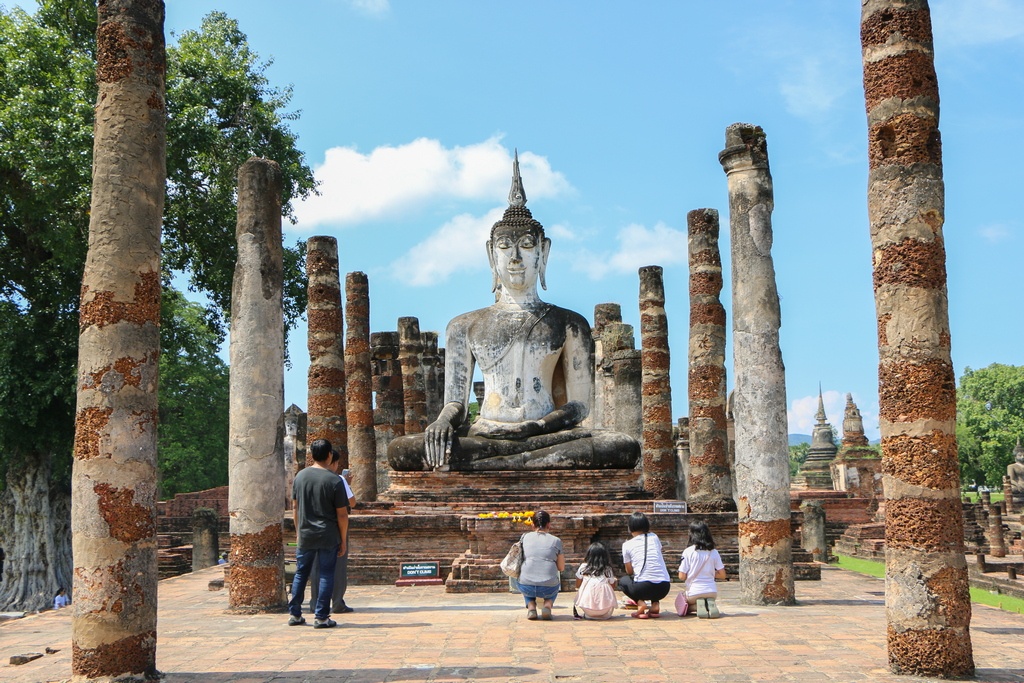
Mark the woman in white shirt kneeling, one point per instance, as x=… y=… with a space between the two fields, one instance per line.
x=649 y=579
x=700 y=566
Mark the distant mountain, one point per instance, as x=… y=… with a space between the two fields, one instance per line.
x=794 y=439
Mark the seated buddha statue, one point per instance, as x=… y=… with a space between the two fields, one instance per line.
x=537 y=362
x=1015 y=472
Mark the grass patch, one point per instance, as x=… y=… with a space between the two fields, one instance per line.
x=975 y=497
x=978 y=595
x=868 y=567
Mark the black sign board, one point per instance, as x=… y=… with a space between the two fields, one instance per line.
x=419 y=570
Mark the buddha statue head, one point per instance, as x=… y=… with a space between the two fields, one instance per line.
x=517 y=250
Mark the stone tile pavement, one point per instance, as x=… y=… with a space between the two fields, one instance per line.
x=837 y=633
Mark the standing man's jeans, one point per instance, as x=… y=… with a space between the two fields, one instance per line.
x=340 y=584
x=325 y=559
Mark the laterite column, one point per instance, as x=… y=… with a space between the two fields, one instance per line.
x=759 y=402
x=710 y=485
x=362 y=442
x=389 y=414
x=256 y=495
x=926 y=588
x=325 y=414
x=659 y=462
x=410 y=353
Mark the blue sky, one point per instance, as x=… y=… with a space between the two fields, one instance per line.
x=411 y=109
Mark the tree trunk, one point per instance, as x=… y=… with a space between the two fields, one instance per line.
x=35 y=533
x=113 y=632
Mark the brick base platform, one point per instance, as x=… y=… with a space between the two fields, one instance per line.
x=532 y=486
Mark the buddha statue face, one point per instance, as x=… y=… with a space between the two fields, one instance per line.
x=518 y=256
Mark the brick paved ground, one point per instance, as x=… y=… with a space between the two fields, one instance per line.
x=422 y=634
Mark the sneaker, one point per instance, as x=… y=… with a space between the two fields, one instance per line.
x=713 y=612
x=531 y=614
x=702 y=609
x=324 y=623
x=296 y=621
x=545 y=614
x=344 y=609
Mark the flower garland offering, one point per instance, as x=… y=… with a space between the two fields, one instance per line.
x=524 y=517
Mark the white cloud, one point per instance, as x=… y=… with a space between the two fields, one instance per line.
x=813 y=87
x=995 y=233
x=802 y=410
x=978 y=22
x=373 y=8
x=638 y=246
x=390 y=181
x=561 y=232
x=457 y=245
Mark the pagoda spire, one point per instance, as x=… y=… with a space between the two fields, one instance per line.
x=516 y=195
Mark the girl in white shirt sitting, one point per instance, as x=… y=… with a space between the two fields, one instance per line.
x=700 y=567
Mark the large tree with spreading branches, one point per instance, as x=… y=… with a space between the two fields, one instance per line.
x=221 y=109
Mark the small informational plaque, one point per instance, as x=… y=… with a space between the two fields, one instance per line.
x=419 y=574
x=417 y=570
x=677 y=507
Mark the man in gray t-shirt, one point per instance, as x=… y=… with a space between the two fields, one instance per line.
x=321 y=527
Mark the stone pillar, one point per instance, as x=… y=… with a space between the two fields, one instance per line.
x=926 y=585
x=362 y=442
x=602 y=412
x=759 y=401
x=114 y=481
x=389 y=414
x=410 y=352
x=325 y=413
x=812 y=533
x=256 y=430
x=432 y=391
x=656 y=392
x=709 y=487
x=627 y=408
x=1008 y=496
x=994 y=531
x=294 y=447
x=205 y=538
x=683 y=458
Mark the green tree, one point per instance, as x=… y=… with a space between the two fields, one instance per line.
x=797 y=456
x=990 y=419
x=194 y=384
x=221 y=111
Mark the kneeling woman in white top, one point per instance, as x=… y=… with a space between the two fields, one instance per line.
x=700 y=567
x=649 y=580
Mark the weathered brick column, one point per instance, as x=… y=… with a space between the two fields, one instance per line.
x=431 y=365
x=659 y=463
x=362 y=442
x=710 y=485
x=205 y=538
x=256 y=431
x=389 y=414
x=410 y=353
x=114 y=480
x=325 y=413
x=927 y=598
x=627 y=380
x=602 y=412
x=759 y=401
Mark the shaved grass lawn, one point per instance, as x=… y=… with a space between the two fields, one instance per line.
x=978 y=595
